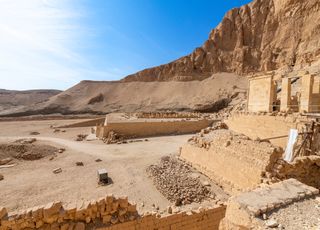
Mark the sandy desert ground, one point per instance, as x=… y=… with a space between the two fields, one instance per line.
x=31 y=183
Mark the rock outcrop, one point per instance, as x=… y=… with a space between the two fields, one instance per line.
x=261 y=36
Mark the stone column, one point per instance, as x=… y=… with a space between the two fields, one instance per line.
x=306 y=93
x=285 y=95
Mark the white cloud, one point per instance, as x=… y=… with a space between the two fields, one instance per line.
x=38 y=44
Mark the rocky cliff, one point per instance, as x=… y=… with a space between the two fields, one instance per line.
x=261 y=36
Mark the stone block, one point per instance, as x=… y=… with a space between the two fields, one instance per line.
x=51 y=212
x=103 y=176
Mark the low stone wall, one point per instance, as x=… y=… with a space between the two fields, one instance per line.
x=167 y=115
x=265 y=126
x=203 y=220
x=88 y=123
x=152 y=128
x=233 y=161
x=106 y=213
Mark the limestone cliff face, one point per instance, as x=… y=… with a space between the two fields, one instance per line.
x=261 y=36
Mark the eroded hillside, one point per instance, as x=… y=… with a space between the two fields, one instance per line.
x=261 y=36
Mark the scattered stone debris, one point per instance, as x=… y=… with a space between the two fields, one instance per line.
x=56 y=130
x=1 y=177
x=51 y=158
x=79 y=163
x=26 y=141
x=173 y=179
x=81 y=137
x=300 y=215
x=98 y=160
x=113 y=138
x=272 y=223
x=34 y=133
x=57 y=170
x=61 y=150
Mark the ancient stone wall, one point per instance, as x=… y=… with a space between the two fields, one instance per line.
x=206 y=219
x=88 y=123
x=106 y=213
x=261 y=94
x=152 y=128
x=233 y=161
x=265 y=126
x=167 y=115
x=305 y=169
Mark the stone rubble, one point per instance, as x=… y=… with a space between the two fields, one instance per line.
x=173 y=179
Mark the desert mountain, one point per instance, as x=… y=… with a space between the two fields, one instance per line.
x=14 y=99
x=264 y=35
x=281 y=35
x=98 y=97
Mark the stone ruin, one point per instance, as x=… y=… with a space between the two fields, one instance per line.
x=263 y=90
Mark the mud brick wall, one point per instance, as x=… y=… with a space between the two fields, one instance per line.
x=205 y=219
x=152 y=128
x=108 y=213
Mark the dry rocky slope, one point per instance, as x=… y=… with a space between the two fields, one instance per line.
x=94 y=97
x=10 y=99
x=264 y=35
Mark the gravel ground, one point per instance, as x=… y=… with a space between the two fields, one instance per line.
x=298 y=216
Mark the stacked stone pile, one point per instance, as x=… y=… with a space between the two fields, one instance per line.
x=104 y=212
x=173 y=179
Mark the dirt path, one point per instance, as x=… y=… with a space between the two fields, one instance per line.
x=126 y=164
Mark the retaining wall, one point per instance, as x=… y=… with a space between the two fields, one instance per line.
x=264 y=126
x=108 y=213
x=152 y=128
x=236 y=164
x=88 y=123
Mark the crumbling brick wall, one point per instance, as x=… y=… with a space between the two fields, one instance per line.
x=232 y=160
x=106 y=213
x=305 y=169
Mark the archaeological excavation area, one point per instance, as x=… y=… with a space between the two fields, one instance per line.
x=251 y=169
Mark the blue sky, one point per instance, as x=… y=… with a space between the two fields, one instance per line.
x=57 y=43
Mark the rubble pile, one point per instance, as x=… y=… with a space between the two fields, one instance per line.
x=81 y=137
x=201 y=141
x=173 y=179
x=113 y=138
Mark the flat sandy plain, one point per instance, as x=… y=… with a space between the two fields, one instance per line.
x=31 y=183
